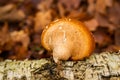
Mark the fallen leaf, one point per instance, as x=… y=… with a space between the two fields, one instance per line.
x=103 y=21
x=91 y=6
x=42 y=19
x=80 y=15
x=101 y=6
x=70 y=4
x=101 y=38
x=113 y=48
x=61 y=9
x=117 y=36
x=19 y=52
x=92 y=24
x=114 y=14
x=20 y=36
x=11 y=13
x=5 y=39
x=44 y=5
x=7 y=8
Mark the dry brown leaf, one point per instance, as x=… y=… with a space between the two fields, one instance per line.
x=101 y=6
x=92 y=24
x=4 y=36
x=61 y=9
x=20 y=36
x=104 y=22
x=114 y=48
x=117 y=37
x=20 y=48
x=41 y=54
x=70 y=4
x=114 y=14
x=91 y=6
x=19 y=53
x=37 y=39
x=101 y=38
x=11 y=13
x=42 y=19
x=45 y=5
x=4 y=1
x=15 y=15
x=5 y=39
x=80 y=15
x=109 y=3
x=5 y=9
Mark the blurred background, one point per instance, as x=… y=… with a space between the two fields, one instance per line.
x=22 y=21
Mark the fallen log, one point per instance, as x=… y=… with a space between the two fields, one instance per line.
x=102 y=66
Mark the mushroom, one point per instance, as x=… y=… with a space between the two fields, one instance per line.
x=67 y=39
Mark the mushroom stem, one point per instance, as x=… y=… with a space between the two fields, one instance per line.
x=61 y=52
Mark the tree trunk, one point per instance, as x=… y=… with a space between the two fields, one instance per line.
x=103 y=66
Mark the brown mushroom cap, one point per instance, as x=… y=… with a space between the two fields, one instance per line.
x=68 y=39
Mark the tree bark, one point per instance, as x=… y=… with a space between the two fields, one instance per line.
x=103 y=66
